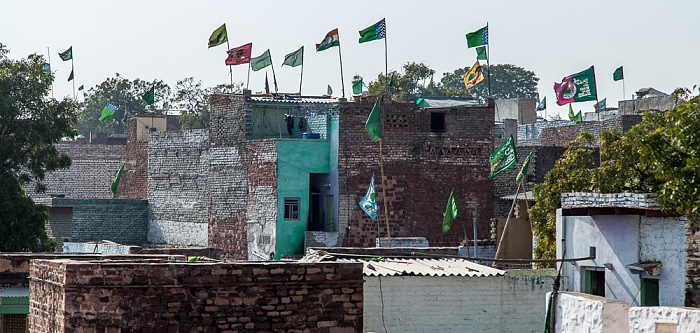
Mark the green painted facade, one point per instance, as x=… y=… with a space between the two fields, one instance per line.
x=14 y=305
x=296 y=160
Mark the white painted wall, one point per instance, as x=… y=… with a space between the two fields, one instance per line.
x=652 y=319
x=178 y=233
x=663 y=239
x=622 y=240
x=577 y=312
x=616 y=239
x=511 y=303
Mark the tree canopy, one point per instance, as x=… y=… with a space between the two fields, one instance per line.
x=659 y=155
x=417 y=80
x=30 y=123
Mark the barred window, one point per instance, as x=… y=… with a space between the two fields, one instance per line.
x=291 y=209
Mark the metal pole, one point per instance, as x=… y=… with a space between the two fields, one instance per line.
x=505 y=227
x=274 y=78
x=248 y=80
x=475 y=237
x=386 y=59
x=72 y=71
x=301 y=76
x=230 y=70
x=488 y=61
x=48 y=52
x=342 y=83
x=386 y=205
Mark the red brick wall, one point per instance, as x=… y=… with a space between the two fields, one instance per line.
x=421 y=167
x=134 y=181
x=67 y=296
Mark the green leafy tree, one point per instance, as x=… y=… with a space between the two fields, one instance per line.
x=507 y=81
x=125 y=94
x=416 y=80
x=30 y=123
x=193 y=101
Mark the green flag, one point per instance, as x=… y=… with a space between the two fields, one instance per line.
x=523 y=170
x=149 y=96
x=579 y=117
x=618 y=75
x=329 y=91
x=67 y=54
x=107 y=112
x=357 y=87
x=70 y=77
x=374 y=123
x=219 y=36
x=422 y=103
x=373 y=32
x=572 y=116
x=81 y=87
x=478 y=38
x=261 y=62
x=481 y=53
x=503 y=158
x=115 y=182
x=295 y=58
x=451 y=212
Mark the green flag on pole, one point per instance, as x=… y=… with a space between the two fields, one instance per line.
x=219 y=36
x=374 y=123
x=67 y=54
x=295 y=58
x=81 y=87
x=115 y=182
x=261 y=62
x=523 y=170
x=579 y=117
x=373 y=32
x=357 y=87
x=107 y=112
x=618 y=74
x=478 y=38
x=70 y=77
x=572 y=116
x=481 y=53
x=503 y=158
x=149 y=96
x=451 y=212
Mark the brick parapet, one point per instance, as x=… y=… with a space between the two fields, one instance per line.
x=196 y=297
x=622 y=200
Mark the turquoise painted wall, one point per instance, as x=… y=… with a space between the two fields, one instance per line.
x=296 y=159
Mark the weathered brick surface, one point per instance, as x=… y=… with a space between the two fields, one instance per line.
x=71 y=296
x=561 y=135
x=178 y=180
x=119 y=220
x=89 y=176
x=134 y=181
x=60 y=225
x=692 y=278
x=420 y=168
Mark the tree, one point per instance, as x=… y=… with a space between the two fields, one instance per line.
x=30 y=123
x=416 y=81
x=193 y=101
x=126 y=96
x=507 y=81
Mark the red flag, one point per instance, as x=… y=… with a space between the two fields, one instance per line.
x=239 y=55
x=565 y=91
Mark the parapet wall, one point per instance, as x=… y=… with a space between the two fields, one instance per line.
x=68 y=295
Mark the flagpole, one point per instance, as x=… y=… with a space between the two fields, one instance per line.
x=230 y=70
x=505 y=227
x=72 y=71
x=301 y=76
x=600 y=126
x=624 y=95
x=274 y=78
x=386 y=205
x=342 y=83
x=488 y=60
x=48 y=52
x=386 y=62
x=248 y=80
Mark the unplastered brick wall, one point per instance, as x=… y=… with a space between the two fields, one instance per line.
x=242 y=184
x=623 y=200
x=420 y=166
x=178 y=180
x=692 y=280
x=69 y=296
x=134 y=182
x=89 y=176
x=561 y=135
x=118 y=220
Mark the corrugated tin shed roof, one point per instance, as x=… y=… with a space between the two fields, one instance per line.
x=425 y=267
x=446 y=102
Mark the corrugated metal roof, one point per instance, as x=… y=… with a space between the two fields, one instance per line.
x=527 y=196
x=425 y=267
x=14 y=292
x=446 y=102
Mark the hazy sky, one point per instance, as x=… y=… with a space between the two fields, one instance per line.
x=656 y=41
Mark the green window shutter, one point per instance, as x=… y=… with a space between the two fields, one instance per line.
x=649 y=292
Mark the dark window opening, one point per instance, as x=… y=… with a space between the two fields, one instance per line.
x=650 y=292
x=594 y=281
x=437 y=122
x=291 y=209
